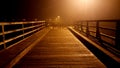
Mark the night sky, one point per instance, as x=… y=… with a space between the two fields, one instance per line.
x=29 y=9
x=69 y=10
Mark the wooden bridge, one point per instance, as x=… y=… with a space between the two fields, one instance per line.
x=48 y=47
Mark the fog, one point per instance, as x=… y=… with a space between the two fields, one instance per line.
x=91 y=10
x=68 y=10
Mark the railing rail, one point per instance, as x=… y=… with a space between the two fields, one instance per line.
x=12 y=32
x=106 y=32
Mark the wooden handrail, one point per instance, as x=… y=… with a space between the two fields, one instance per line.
x=87 y=28
x=12 y=23
x=34 y=27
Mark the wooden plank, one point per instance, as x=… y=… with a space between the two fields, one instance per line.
x=59 y=48
x=10 y=56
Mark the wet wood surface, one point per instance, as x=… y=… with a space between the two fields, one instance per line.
x=59 y=49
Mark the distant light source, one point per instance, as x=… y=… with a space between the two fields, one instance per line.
x=86 y=1
x=78 y=3
x=58 y=17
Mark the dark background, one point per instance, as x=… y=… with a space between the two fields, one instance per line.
x=68 y=10
x=28 y=9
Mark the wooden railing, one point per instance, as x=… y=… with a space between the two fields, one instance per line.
x=106 y=32
x=13 y=32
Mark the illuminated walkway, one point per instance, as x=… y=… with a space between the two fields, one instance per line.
x=59 y=49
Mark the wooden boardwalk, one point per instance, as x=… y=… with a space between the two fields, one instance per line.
x=59 y=49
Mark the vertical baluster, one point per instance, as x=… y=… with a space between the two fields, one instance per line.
x=87 y=30
x=81 y=27
x=42 y=25
x=45 y=24
x=98 y=36
x=23 y=29
x=38 y=27
x=3 y=35
x=33 y=27
x=117 y=40
x=77 y=26
x=33 y=24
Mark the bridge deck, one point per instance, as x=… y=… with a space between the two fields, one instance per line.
x=59 y=48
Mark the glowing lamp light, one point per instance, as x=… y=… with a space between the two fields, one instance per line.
x=87 y=3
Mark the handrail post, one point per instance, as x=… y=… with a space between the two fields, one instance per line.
x=3 y=35
x=45 y=24
x=98 y=36
x=87 y=30
x=32 y=25
x=23 y=29
x=81 y=27
x=117 y=38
